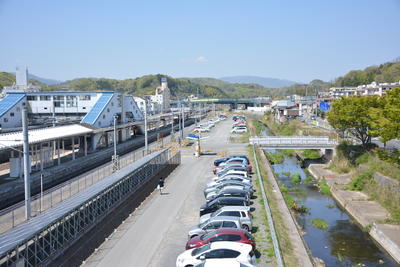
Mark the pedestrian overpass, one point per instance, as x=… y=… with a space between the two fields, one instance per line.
x=227 y=101
x=294 y=142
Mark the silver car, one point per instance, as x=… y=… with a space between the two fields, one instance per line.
x=213 y=223
x=219 y=186
x=242 y=212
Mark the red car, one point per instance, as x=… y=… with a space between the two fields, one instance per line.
x=222 y=234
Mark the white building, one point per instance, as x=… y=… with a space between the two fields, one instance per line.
x=162 y=96
x=373 y=88
x=94 y=108
x=21 y=84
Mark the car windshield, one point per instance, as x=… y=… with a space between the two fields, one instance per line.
x=214 y=213
x=207 y=236
x=200 y=250
x=203 y=224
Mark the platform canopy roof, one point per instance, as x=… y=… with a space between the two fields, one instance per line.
x=15 y=139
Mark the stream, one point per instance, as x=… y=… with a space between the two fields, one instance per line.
x=343 y=243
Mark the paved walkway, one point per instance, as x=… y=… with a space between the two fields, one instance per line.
x=157 y=232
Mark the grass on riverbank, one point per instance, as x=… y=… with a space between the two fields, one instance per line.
x=275 y=158
x=311 y=154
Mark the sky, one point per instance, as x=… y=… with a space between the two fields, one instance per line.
x=287 y=39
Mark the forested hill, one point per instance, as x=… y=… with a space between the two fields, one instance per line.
x=387 y=72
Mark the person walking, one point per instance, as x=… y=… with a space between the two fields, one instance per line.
x=160 y=185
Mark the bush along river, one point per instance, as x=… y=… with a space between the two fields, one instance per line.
x=329 y=232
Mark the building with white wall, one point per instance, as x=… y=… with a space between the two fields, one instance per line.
x=94 y=108
x=162 y=96
x=373 y=88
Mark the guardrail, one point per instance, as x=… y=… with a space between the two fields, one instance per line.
x=36 y=241
x=308 y=141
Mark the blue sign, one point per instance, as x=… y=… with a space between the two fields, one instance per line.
x=163 y=79
x=324 y=106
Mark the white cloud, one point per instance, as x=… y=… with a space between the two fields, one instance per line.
x=200 y=59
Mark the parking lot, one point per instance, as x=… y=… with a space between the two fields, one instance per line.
x=156 y=233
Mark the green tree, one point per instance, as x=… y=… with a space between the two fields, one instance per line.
x=386 y=117
x=352 y=115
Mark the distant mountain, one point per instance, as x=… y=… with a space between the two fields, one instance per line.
x=44 y=80
x=264 y=81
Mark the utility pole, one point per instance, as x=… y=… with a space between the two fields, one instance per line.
x=27 y=181
x=172 y=126
x=183 y=120
x=115 y=156
x=145 y=129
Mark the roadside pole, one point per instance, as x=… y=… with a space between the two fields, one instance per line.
x=27 y=181
x=183 y=120
x=41 y=192
x=115 y=156
x=145 y=129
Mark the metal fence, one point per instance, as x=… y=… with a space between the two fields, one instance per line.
x=36 y=247
x=277 y=141
x=15 y=215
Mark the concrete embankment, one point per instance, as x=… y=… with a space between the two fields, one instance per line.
x=367 y=213
x=299 y=247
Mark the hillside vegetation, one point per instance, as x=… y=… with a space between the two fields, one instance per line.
x=387 y=72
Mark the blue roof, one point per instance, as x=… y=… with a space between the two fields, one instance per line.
x=92 y=116
x=9 y=101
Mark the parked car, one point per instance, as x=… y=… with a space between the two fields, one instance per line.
x=201 y=129
x=229 y=178
x=214 y=223
x=239 y=130
x=232 y=167
x=223 y=165
x=224 y=262
x=221 y=202
x=243 y=212
x=222 y=234
x=229 y=193
x=243 y=253
x=228 y=184
x=242 y=161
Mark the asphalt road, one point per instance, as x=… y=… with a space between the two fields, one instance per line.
x=157 y=232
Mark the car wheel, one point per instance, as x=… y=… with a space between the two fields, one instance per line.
x=246 y=227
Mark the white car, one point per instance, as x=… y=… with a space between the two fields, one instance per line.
x=243 y=180
x=243 y=253
x=201 y=130
x=239 y=130
x=224 y=263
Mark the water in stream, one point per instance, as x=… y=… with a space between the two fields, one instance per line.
x=343 y=243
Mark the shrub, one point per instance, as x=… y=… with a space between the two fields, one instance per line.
x=295 y=178
x=287 y=152
x=363 y=158
x=286 y=173
x=358 y=181
x=320 y=223
x=275 y=158
x=308 y=180
x=324 y=187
